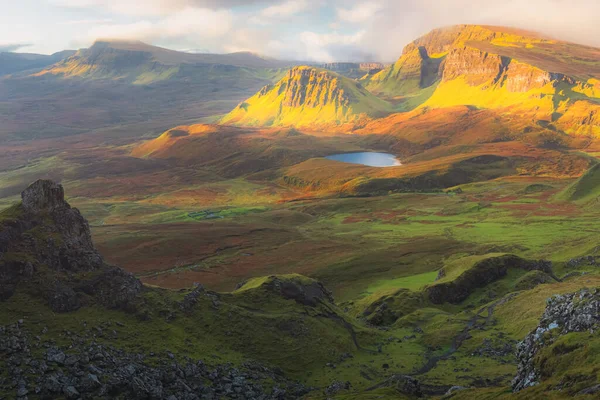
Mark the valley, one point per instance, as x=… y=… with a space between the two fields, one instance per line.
x=412 y=277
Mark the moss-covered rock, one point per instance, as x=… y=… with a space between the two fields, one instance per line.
x=532 y=279
x=457 y=287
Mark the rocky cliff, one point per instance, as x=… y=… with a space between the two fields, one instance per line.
x=46 y=250
x=498 y=68
x=308 y=96
x=564 y=315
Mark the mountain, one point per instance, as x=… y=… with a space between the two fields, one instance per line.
x=130 y=86
x=11 y=63
x=547 y=81
x=542 y=82
x=141 y=63
x=309 y=97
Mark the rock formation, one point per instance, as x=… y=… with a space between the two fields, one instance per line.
x=576 y=312
x=480 y=275
x=308 y=96
x=46 y=248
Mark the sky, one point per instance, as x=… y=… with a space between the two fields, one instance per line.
x=310 y=30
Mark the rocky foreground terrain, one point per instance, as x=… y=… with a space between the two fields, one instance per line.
x=49 y=269
x=60 y=265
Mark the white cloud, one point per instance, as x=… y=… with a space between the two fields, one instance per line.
x=325 y=47
x=360 y=12
x=272 y=26
x=10 y=47
x=286 y=9
x=88 y=21
x=189 y=25
x=154 y=7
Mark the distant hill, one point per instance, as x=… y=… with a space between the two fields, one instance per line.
x=119 y=83
x=353 y=70
x=140 y=63
x=309 y=97
x=11 y=63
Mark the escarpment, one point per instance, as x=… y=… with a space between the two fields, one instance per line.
x=312 y=88
x=476 y=66
x=309 y=97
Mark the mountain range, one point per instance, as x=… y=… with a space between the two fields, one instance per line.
x=540 y=81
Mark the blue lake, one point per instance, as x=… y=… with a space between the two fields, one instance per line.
x=371 y=159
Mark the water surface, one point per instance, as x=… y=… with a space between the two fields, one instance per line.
x=366 y=158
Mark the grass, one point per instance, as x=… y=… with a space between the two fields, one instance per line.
x=413 y=282
x=585 y=189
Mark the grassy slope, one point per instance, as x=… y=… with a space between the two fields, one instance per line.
x=584 y=189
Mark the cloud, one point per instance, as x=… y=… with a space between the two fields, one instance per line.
x=191 y=26
x=330 y=47
x=89 y=21
x=285 y=9
x=299 y=29
x=401 y=21
x=155 y=7
x=360 y=12
x=10 y=47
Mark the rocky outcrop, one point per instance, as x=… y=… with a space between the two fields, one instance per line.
x=309 y=97
x=87 y=369
x=46 y=247
x=312 y=88
x=475 y=66
x=576 y=312
x=479 y=275
x=306 y=293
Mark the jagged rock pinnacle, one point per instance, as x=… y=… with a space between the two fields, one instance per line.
x=43 y=195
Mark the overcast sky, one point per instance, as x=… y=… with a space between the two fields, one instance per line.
x=332 y=30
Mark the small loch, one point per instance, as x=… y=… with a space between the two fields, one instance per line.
x=379 y=160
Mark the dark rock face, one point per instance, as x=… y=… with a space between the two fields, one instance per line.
x=90 y=370
x=577 y=312
x=306 y=294
x=480 y=275
x=43 y=196
x=46 y=246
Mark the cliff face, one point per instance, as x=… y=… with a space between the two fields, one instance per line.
x=476 y=66
x=454 y=48
x=307 y=87
x=46 y=249
x=309 y=96
x=479 y=67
